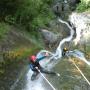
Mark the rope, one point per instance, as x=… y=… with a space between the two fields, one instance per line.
x=80 y=72
x=47 y=80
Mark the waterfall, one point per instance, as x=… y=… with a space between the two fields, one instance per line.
x=78 y=54
x=67 y=39
x=58 y=53
x=54 y=58
x=82 y=24
x=37 y=84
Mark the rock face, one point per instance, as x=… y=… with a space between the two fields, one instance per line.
x=13 y=39
x=50 y=37
x=64 y=5
x=58 y=8
x=74 y=2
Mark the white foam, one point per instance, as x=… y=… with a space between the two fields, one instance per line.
x=33 y=85
x=82 y=25
x=81 y=56
x=37 y=84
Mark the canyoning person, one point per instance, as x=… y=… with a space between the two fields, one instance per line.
x=35 y=66
x=64 y=51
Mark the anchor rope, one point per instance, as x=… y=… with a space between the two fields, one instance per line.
x=80 y=71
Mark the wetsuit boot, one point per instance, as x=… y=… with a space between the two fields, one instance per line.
x=34 y=75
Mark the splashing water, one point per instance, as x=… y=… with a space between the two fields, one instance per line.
x=82 y=25
x=81 y=56
x=33 y=85
x=58 y=50
x=37 y=84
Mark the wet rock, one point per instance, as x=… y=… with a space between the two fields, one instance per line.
x=50 y=37
x=58 y=8
x=77 y=87
x=74 y=2
x=65 y=5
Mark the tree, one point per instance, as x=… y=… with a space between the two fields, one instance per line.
x=31 y=14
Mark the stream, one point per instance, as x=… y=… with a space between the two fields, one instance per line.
x=49 y=63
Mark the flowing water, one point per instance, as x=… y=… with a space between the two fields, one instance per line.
x=39 y=83
x=82 y=24
x=80 y=55
x=49 y=63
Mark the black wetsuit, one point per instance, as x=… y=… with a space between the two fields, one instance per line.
x=33 y=66
x=64 y=52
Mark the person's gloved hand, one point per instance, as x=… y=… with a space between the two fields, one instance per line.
x=46 y=54
x=36 y=67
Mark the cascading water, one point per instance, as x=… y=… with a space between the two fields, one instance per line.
x=67 y=39
x=82 y=24
x=80 y=55
x=57 y=55
x=48 y=63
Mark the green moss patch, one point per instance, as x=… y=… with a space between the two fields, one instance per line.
x=4 y=28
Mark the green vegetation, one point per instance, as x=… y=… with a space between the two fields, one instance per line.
x=31 y=14
x=84 y=6
x=17 y=56
x=88 y=48
x=4 y=28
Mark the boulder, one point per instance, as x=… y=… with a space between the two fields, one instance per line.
x=49 y=36
x=58 y=8
x=76 y=87
x=74 y=2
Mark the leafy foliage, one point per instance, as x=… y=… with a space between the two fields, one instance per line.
x=8 y=7
x=31 y=14
x=84 y=6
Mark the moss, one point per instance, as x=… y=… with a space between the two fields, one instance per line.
x=88 y=49
x=4 y=28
